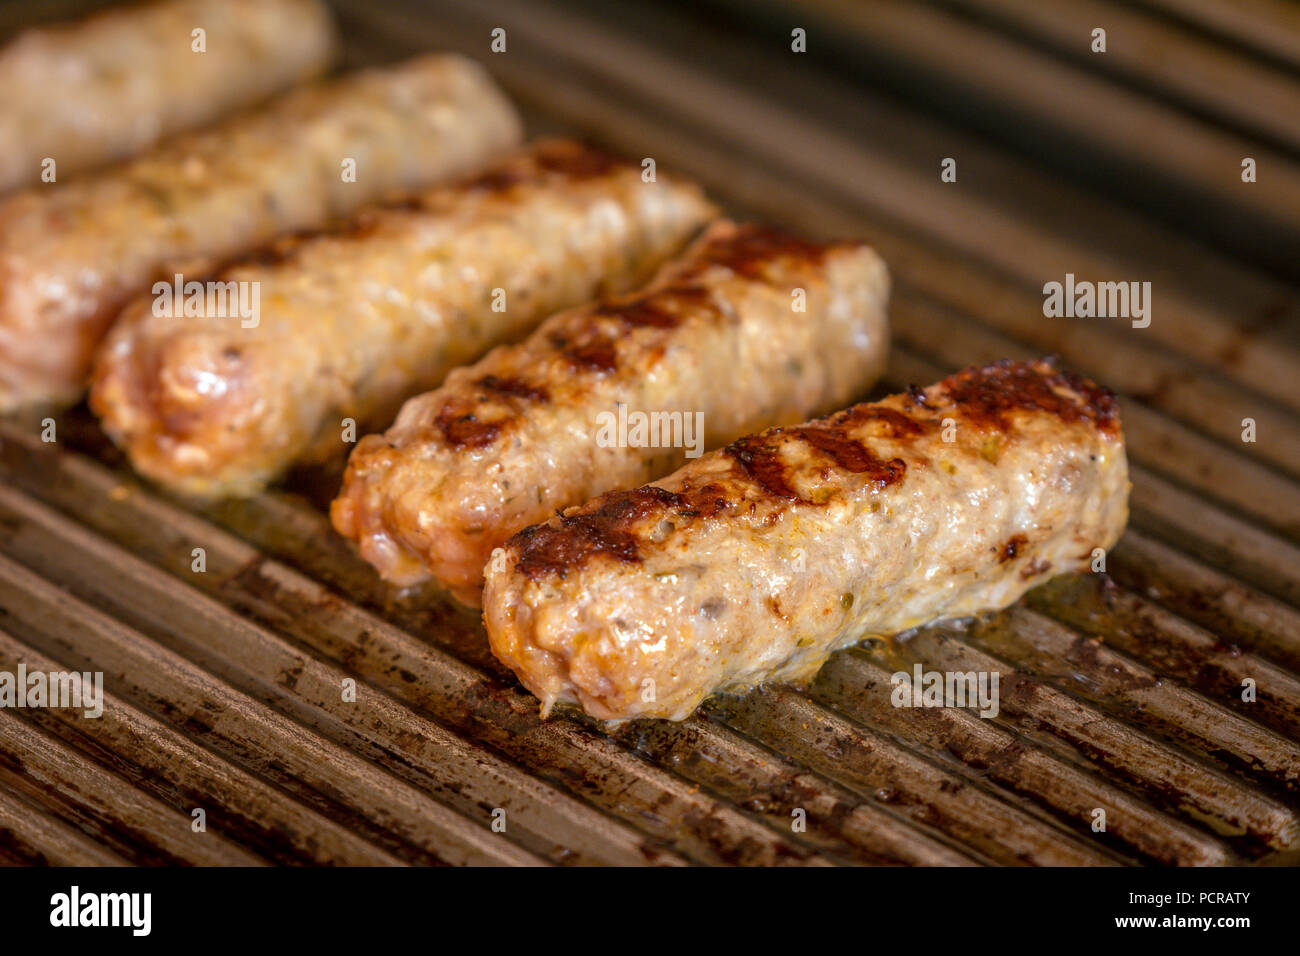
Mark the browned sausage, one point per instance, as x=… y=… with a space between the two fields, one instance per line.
x=754 y=563
x=716 y=340
x=354 y=321
x=73 y=254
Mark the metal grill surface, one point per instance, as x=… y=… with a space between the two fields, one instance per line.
x=1120 y=692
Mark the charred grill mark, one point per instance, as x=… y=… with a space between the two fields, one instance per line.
x=746 y=251
x=1098 y=399
x=610 y=525
x=514 y=387
x=851 y=455
x=618 y=524
x=462 y=429
x=607 y=527
x=665 y=308
x=462 y=426
x=371 y=220
x=684 y=295
x=648 y=311
x=759 y=456
x=571 y=161
x=596 y=354
x=501 y=179
x=575 y=160
x=847 y=453
x=1011 y=548
x=703 y=502
x=750 y=249
x=761 y=460
x=897 y=424
x=986 y=395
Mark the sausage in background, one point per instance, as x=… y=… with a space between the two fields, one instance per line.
x=105 y=88
x=352 y=322
x=73 y=254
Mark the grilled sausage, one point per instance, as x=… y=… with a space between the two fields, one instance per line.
x=755 y=562
x=105 y=88
x=715 y=339
x=72 y=254
x=355 y=321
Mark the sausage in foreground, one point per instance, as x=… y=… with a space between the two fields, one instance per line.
x=72 y=255
x=355 y=320
x=105 y=88
x=754 y=563
x=751 y=327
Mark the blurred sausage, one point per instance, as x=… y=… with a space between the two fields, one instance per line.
x=105 y=88
x=72 y=254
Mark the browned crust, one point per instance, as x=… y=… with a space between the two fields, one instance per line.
x=565 y=159
x=983 y=396
x=590 y=344
x=475 y=421
x=987 y=394
x=569 y=540
x=749 y=251
x=551 y=163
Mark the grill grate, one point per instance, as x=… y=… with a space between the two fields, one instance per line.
x=1120 y=692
